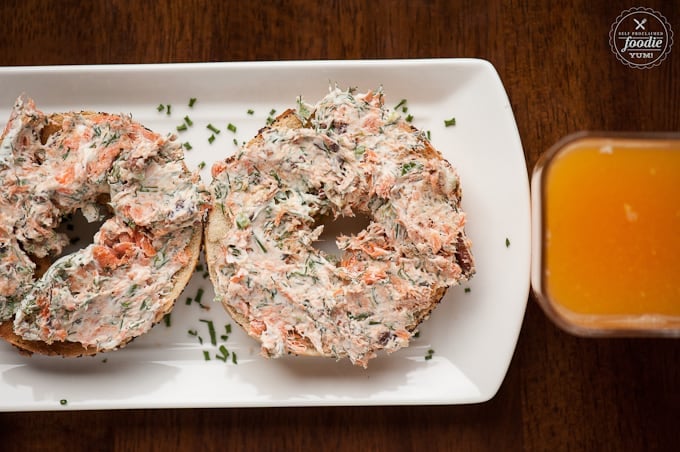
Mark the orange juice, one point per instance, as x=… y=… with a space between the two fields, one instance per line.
x=611 y=232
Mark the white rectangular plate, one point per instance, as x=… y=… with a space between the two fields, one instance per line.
x=472 y=333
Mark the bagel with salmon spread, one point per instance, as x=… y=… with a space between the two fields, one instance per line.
x=113 y=169
x=344 y=156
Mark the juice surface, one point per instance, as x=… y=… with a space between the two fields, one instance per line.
x=612 y=221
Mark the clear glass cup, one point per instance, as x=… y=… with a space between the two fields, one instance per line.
x=606 y=234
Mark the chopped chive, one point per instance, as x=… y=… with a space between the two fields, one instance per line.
x=211 y=330
x=303 y=111
x=408 y=166
x=507 y=242
x=224 y=338
x=276 y=176
x=416 y=334
x=199 y=268
x=169 y=107
x=63 y=402
x=105 y=360
x=468 y=290
x=224 y=352
x=211 y=139
x=251 y=111
x=450 y=122
x=206 y=355
x=160 y=107
x=392 y=117
x=231 y=127
x=181 y=127
x=200 y=340
x=242 y=220
x=235 y=142
x=188 y=121
x=404 y=109
x=270 y=118
x=199 y=295
x=428 y=135
x=233 y=358
x=264 y=250
x=192 y=101
x=400 y=104
x=429 y=355
x=188 y=302
x=193 y=332
x=201 y=165
x=227 y=328
x=213 y=128
x=167 y=319
x=205 y=275
x=409 y=118
x=188 y=146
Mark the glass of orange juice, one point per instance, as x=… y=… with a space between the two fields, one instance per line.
x=606 y=234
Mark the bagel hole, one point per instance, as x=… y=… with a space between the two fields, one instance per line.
x=332 y=228
x=79 y=231
x=80 y=234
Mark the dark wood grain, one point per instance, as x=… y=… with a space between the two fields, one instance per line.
x=561 y=392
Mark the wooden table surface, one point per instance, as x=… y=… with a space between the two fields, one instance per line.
x=560 y=392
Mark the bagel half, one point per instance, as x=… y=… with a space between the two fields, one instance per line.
x=302 y=324
x=145 y=238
